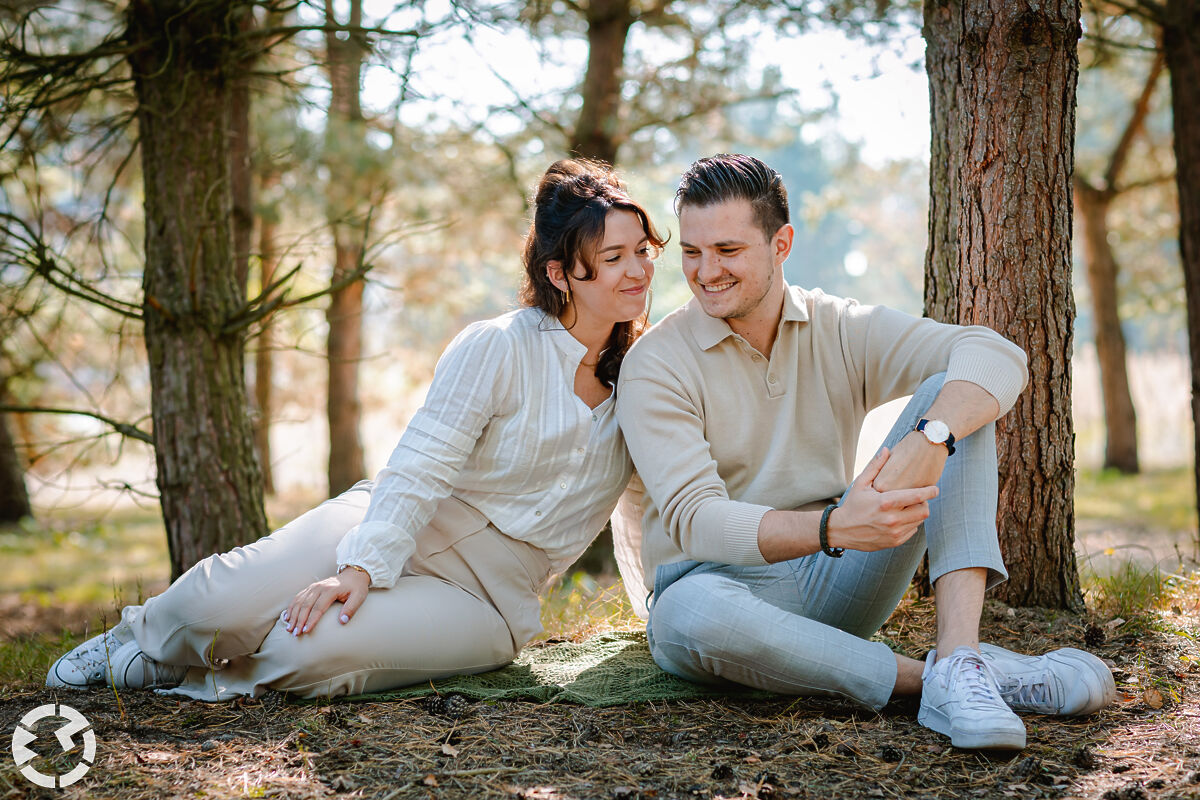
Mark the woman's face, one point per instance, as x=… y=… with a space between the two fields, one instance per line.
x=624 y=265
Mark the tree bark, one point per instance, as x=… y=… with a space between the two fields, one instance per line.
x=264 y=355
x=241 y=172
x=345 y=136
x=208 y=477
x=14 y=498
x=1002 y=93
x=1181 y=45
x=1120 y=418
x=597 y=131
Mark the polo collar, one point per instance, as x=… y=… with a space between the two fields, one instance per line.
x=710 y=331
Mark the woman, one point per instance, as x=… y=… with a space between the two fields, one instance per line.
x=501 y=479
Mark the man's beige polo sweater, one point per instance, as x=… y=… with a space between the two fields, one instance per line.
x=721 y=434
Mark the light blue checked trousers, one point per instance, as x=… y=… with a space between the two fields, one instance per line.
x=801 y=626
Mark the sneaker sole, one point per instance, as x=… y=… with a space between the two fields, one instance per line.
x=998 y=739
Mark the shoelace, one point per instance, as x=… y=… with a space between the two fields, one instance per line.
x=1033 y=695
x=94 y=659
x=972 y=673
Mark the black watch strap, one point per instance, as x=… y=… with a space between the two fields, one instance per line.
x=823 y=534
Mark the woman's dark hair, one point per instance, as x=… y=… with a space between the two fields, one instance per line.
x=570 y=205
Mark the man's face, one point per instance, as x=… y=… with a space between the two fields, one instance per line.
x=731 y=266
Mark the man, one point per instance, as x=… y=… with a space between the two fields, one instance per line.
x=742 y=411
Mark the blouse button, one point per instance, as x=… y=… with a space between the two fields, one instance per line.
x=562 y=485
x=537 y=513
x=771 y=379
x=580 y=451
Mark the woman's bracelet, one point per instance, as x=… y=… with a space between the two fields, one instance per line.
x=357 y=567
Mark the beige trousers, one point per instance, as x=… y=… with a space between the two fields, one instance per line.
x=466 y=602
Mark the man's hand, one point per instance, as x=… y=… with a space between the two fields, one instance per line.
x=914 y=462
x=349 y=587
x=870 y=519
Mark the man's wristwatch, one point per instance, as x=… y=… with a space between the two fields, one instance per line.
x=937 y=432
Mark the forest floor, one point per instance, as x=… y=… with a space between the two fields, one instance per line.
x=1147 y=745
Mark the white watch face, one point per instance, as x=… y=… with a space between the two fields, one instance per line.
x=936 y=431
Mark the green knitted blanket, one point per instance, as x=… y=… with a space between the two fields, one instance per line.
x=605 y=670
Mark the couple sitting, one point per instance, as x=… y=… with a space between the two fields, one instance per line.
x=764 y=563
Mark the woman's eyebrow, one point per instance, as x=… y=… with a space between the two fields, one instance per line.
x=619 y=246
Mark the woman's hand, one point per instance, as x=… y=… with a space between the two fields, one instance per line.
x=349 y=587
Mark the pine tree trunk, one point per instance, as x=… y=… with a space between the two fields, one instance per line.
x=14 y=499
x=344 y=137
x=1120 y=419
x=1002 y=90
x=1181 y=43
x=264 y=356
x=344 y=350
x=208 y=476
x=597 y=130
x=241 y=172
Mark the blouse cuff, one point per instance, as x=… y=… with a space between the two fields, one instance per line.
x=357 y=549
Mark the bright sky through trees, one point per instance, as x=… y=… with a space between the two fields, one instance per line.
x=880 y=94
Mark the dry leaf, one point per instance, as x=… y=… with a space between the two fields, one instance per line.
x=1153 y=698
x=429 y=780
x=752 y=759
x=449 y=750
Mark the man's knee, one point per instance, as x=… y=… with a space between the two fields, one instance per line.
x=688 y=627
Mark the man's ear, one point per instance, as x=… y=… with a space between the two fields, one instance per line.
x=781 y=242
x=554 y=271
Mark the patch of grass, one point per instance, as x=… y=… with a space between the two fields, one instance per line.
x=1131 y=590
x=23 y=661
x=63 y=560
x=1164 y=499
x=583 y=604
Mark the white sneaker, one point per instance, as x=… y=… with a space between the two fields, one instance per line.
x=130 y=668
x=960 y=699
x=1066 y=681
x=87 y=664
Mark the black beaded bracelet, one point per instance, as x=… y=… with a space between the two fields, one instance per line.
x=823 y=532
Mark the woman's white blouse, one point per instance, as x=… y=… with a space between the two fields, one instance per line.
x=502 y=430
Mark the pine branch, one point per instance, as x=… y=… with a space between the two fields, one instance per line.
x=123 y=428
x=1141 y=108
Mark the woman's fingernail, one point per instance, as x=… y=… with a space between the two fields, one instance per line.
x=306 y=627
x=345 y=618
x=285 y=615
x=295 y=633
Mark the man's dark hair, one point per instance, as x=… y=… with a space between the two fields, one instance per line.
x=726 y=176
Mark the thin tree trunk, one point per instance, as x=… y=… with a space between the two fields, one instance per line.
x=14 y=498
x=597 y=130
x=1120 y=418
x=1002 y=89
x=264 y=356
x=1093 y=204
x=344 y=314
x=1181 y=44
x=208 y=476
